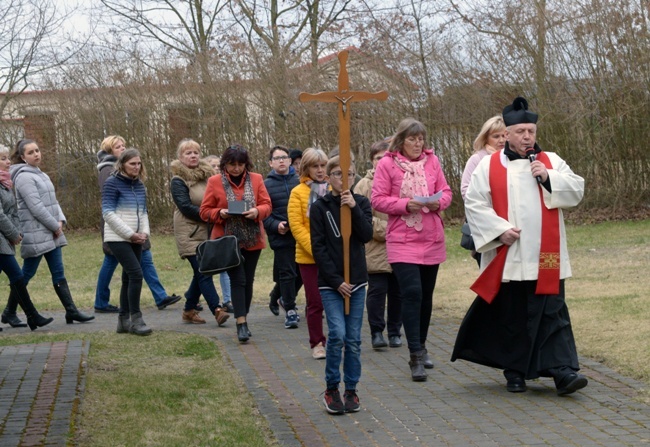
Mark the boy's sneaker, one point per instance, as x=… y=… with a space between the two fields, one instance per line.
x=291 y=322
x=281 y=304
x=318 y=352
x=332 y=401
x=351 y=401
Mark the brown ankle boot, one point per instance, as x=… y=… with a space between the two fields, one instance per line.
x=192 y=317
x=221 y=316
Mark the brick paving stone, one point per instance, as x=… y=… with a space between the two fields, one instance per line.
x=461 y=404
x=31 y=378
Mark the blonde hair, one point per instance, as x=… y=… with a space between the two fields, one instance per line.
x=109 y=142
x=494 y=124
x=335 y=162
x=310 y=157
x=187 y=144
x=4 y=150
x=208 y=159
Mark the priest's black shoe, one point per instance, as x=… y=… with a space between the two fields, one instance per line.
x=394 y=341
x=571 y=383
x=378 y=340
x=516 y=385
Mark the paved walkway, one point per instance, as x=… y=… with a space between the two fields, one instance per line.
x=460 y=405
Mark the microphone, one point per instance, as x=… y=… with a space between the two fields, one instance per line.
x=530 y=153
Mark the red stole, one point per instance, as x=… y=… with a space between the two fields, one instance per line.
x=488 y=283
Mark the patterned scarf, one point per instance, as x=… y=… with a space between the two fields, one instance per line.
x=246 y=230
x=318 y=189
x=5 y=179
x=414 y=184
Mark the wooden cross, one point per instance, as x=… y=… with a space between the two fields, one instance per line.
x=344 y=97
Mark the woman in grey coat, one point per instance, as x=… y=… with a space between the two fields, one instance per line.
x=41 y=220
x=10 y=236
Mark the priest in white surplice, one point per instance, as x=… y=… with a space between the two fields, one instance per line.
x=519 y=321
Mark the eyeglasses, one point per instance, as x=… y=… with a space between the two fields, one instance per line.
x=339 y=174
x=280 y=158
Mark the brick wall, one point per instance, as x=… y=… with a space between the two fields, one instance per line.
x=183 y=123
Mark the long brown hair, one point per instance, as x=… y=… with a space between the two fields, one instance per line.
x=127 y=155
x=407 y=128
x=19 y=151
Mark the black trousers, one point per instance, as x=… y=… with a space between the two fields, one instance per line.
x=416 y=284
x=242 y=278
x=383 y=286
x=286 y=276
x=128 y=255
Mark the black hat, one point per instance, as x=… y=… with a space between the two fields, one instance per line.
x=295 y=153
x=517 y=113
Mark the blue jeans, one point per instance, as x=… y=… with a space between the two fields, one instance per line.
x=344 y=331
x=54 y=261
x=103 y=292
x=200 y=285
x=9 y=265
x=224 y=280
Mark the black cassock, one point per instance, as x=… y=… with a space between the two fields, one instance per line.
x=519 y=331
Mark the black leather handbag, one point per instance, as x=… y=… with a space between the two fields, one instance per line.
x=466 y=240
x=218 y=255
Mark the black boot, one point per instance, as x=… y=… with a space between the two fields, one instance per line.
x=418 y=374
x=243 y=332
x=138 y=326
x=9 y=314
x=21 y=295
x=426 y=360
x=123 y=324
x=71 y=312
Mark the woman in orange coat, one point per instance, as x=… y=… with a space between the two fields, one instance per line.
x=237 y=182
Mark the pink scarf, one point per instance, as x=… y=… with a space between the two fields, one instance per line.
x=5 y=179
x=317 y=190
x=414 y=184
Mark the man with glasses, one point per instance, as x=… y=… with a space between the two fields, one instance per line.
x=279 y=183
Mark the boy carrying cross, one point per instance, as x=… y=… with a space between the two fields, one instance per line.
x=327 y=248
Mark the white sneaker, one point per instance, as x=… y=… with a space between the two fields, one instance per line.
x=318 y=352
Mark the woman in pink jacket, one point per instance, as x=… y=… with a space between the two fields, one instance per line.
x=411 y=188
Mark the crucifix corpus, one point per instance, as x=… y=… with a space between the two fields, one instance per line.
x=344 y=97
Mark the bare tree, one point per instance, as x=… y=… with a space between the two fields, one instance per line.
x=188 y=28
x=26 y=30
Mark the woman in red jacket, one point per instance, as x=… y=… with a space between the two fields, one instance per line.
x=237 y=183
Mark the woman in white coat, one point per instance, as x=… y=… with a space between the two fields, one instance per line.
x=41 y=220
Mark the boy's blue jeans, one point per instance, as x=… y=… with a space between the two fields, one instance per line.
x=344 y=332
